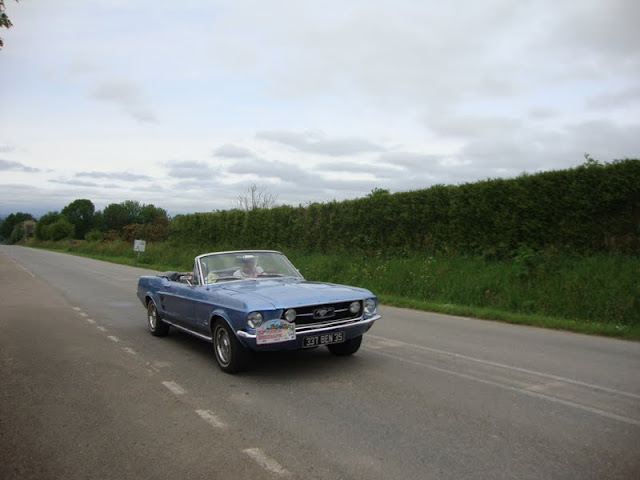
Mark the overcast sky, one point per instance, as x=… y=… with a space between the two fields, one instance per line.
x=184 y=104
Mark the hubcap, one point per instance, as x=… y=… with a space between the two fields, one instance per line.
x=223 y=346
x=153 y=319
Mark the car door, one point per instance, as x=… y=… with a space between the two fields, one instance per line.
x=178 y=303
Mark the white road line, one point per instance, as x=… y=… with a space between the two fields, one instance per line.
x=174 y=387
x=510 y=367
x=91 y=320
x=266 y=462
x=211 y=418
x=82 y=314
x=130 y=350
x=113 y=338
x=531 y=393
x=102 y=329
x=77 y=309
x=23 y=267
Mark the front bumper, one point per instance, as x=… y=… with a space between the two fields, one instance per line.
x=351 y=329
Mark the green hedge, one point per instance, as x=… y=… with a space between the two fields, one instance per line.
x=591 y=208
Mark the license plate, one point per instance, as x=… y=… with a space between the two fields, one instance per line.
x=324 y=339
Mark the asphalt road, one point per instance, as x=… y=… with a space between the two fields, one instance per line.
x=86 y=392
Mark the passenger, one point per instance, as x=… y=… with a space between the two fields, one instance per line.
x=249 y=268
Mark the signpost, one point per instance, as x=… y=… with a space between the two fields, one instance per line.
x=139 y=246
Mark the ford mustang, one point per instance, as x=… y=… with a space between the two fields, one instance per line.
x=244 y=301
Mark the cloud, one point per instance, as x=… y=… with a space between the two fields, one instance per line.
x=261 y=169
x=6 y=148
x=603 y=140
x=463 y=126
x=379 y=169
x=317 y=142
x=409 y=160
x=77 y=183
x=128 y=97
x=623 y=98
x=31 y=199
x=124 y=176
x=8 y=165
x=320 y=101
x=602 y=28
x=232 y=151
x=81 y=67
x=195 y=170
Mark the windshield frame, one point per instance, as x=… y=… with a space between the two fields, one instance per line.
x=225 y=265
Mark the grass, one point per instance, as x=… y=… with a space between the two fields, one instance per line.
x=598 y=294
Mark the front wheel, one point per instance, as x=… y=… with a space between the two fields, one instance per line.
x=344 y=349
x=231 y=355
x=157 y=326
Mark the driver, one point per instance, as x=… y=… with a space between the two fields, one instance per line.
x=248 y=268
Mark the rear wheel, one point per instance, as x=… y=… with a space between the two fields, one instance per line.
x=343 y=349
x=231 y=355
x=157 y=326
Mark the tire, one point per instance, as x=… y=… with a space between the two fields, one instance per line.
x=157 y=326
x=344 y=349
x=231 y=355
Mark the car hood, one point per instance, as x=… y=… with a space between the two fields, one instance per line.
x=283 y=293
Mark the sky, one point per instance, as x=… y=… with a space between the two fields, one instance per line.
x=184 y=105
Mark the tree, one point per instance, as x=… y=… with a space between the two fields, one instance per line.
x=134 y=211
x=115 y=217
x=378 y=192
x=4 y=20
x=54 y=226
x=151 y=214
x=80 y=213
x=60 y=229
x=9 y=223
x=118 y=215
x=98 y=222
x=43 y=223
x=255 y=197
x=22 y=231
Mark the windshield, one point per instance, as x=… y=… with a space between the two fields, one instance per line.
x=219 y=267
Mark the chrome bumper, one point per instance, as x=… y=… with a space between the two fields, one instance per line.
x=320 y=327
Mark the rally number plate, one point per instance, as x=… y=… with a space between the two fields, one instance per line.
x=323 y=339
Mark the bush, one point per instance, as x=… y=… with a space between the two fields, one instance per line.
x=8 y=224
x=44 y=222
x=589 y=209
x=153 y=232
x=59 y=230
x=22 y=231
x=93 y=236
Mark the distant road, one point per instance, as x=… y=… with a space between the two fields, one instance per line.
x=87 y=393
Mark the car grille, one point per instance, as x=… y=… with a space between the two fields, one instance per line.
x=325 y=313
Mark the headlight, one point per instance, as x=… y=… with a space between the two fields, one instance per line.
x=254 y=319
x=290 y=315
x=354 y=307
x=370 y=306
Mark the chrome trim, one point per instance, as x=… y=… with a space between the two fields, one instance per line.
x=199 y=335
x=336 y=310
x=203 y=255
x=304 y=328
x=319 y=328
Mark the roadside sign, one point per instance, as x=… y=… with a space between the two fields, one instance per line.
x=139 y=245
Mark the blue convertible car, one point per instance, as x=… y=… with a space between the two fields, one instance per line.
x=256 y=300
